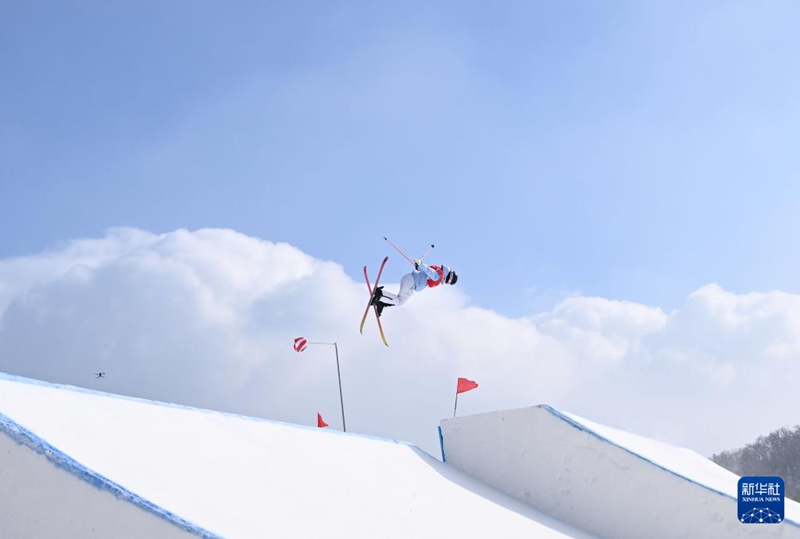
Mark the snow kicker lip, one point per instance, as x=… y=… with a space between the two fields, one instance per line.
x=585 y=428
x=572 y=469
x=24 y=437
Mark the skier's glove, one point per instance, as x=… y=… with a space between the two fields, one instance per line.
x=416 y=264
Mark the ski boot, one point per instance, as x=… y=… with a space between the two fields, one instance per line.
x=377 y=294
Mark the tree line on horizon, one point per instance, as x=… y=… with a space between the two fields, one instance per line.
x=776 y=454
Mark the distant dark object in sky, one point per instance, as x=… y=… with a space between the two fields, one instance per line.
x=100 y=375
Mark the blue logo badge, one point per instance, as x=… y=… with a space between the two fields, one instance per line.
x=761 y=500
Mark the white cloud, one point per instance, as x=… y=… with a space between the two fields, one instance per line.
x=601 y=330
x=207 y=318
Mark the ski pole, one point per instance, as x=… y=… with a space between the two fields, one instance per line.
x=426 y=253
x=398 y=250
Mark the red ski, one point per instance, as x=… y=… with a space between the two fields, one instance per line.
x=366 y=311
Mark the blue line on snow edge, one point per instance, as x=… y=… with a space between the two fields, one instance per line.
x=25 y=437
x=585 y=428
x=85 y=391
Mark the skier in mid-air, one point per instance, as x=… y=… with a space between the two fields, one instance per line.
x=422 y=277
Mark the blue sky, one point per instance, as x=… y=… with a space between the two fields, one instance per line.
x=634 y=151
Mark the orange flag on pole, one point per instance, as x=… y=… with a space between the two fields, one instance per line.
x=465 y=385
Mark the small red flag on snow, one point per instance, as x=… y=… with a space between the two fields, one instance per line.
x=320 y=422
x=300 y=344
x=465 y=385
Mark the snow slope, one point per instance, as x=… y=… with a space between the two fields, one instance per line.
x=611 y=482
x=211 y=474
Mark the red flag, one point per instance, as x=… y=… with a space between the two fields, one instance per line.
x=320 y=422
x=300 y=344
x=465 y=385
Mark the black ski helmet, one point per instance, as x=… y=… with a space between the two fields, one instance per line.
x=451 y=278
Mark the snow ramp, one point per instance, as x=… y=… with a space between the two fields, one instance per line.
x=603 y=480
x=82 y=464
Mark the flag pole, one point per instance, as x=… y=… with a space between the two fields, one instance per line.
x=455 y=407
x=339 y=374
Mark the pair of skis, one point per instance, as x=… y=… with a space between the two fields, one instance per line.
x=370 y=304
x=377 y=279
